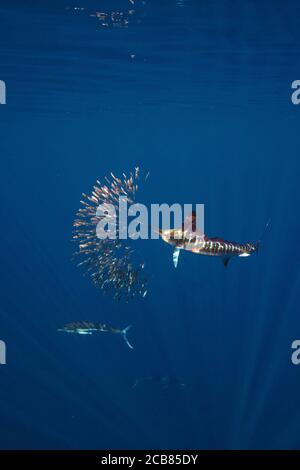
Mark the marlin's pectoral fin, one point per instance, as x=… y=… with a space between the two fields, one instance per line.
x=225 y=261
x=176 y=253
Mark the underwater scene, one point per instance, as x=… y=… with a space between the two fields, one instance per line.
x=150 y=279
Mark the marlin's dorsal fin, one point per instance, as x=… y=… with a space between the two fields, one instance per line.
x=225 y=260
x=190 y=222
x=190 y=226
x=176 y=253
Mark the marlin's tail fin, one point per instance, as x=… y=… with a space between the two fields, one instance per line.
x=124 y=334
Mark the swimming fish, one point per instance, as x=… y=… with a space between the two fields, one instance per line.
x=89 y=328
x=113 y=264
x=189 y=238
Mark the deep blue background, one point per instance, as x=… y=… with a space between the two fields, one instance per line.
x=198 y=93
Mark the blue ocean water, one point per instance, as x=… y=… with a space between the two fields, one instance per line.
x=199 y=94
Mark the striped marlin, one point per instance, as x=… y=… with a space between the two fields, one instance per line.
x=190 y=239
x=89 y=328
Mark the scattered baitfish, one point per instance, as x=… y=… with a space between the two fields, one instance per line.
x=89 y=328
x=111 y=263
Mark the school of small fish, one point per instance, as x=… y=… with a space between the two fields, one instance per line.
x=110 y=262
